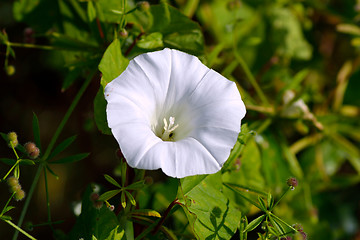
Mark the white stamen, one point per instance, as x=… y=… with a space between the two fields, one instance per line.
x=168 y=129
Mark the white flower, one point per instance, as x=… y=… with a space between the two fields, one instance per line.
x=167 y=110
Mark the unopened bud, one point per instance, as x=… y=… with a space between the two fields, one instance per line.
x=292 y=182
x=10 y=70
x=19 y=195
x=111 y=207
x=123 y=33
x=298 y=227
x=32 y=150
x=15 y=188
x=143 y=6
x=13 y=141
x=12 y=181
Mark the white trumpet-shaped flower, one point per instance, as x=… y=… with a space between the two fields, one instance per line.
x=167 y=110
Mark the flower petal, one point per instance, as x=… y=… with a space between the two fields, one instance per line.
x=135 y=140
x=186 y=73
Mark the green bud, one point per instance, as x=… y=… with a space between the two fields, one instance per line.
x=12 y=136
x=143 y=6
x=10 y=70
x=19 y=195
x=15 y=188
x=12 y=181
x=123 y=33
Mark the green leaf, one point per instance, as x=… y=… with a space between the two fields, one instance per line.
x=151 y=42
x=247 y=177
x=8 y=208
x=8 y=161
x=5 y=217
x=100 y=112
x=116 y=234
x=210 y=214
x=109 y=194
x=27 y=162
x=71 y=159
x=111 y=180
x=262 y=204
x=270 y=201
x=136 y=186
x=52 y=172
x=91 y=12
x=254 y=223
x=145 y=212
x=93 y=222
x=36 y=131
x=123 y=199
x=62 y=146
x=113 y=63
x=178 y=31
x=131 y=198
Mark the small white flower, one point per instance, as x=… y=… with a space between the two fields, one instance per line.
x=167 y=110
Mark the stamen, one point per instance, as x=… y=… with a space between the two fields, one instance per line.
x=168 y=129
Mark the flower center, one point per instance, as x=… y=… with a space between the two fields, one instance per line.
x=168 y=133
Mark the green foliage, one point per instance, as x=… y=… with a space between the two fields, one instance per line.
x=296 y=64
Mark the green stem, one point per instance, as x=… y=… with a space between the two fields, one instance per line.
x=67 y=115
x=282 y=196
x=47 y=199
x=251 y=78
x=282 y=221
x=2 y=212
x=29 y=45
x=7 y=174
x=20 y=230
x=27 y=202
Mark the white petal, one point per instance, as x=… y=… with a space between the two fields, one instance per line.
x=135 y=140
x=186 y=73
x=134 y=86
x=191 y=158
x=218 y=141
x=157 y=68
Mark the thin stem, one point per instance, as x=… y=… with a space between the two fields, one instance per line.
x=13 y=148
x=250 y=77
x=28 y=199
x=67 y=115
x=2 y=212
x=282 y=196
x=166 y=213
x=7 y=174
x=47 y=199
x=29 y=45
x=20 y=230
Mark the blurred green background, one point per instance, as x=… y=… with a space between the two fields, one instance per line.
x=296 y=64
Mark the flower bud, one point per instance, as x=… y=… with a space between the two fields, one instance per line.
x=10 y=70
x=292 y=182
x=12 y=136
x=123 y=33
x=111 y=207
x=143 y=6
x=12 y=181
x=32 y=150
x=15 y=188
x=19 y=195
